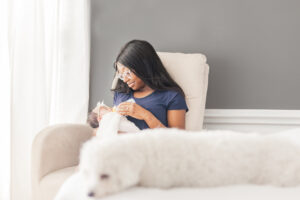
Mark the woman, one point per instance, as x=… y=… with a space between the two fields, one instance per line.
x=158 y=101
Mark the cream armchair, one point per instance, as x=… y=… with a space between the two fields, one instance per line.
x=55 y=154
x=55 y=150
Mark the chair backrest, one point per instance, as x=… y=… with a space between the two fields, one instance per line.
x=190 y=71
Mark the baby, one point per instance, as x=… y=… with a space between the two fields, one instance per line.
x=95 y=119
x=97 y=113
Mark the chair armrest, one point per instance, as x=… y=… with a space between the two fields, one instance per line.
x=57 y=147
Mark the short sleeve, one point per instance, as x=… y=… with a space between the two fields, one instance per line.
x=177 y=102
x=120 y=97
x=115 y=98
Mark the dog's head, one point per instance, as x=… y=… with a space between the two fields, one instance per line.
x=106 y=167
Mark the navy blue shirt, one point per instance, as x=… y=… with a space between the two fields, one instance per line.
x=158 y=103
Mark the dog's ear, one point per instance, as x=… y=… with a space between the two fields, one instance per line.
x=129 y=174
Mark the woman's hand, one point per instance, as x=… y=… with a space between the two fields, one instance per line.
x=138 y=112
x=132 y=109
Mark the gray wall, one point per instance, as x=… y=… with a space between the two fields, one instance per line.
x=252 y=46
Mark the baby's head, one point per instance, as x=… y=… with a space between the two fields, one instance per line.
x=96 y=114
x=92 y=119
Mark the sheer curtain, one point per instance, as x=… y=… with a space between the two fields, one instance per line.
x=4 y=104
x=49 y=62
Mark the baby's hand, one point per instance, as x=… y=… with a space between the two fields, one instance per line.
x=102 y=110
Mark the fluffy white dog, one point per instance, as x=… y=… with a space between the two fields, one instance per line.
x=167 y=158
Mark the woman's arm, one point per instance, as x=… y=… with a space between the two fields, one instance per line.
x=152 y=121
x=176 y=118
x=138 y=112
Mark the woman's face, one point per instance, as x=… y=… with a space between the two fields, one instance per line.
x=130 y=78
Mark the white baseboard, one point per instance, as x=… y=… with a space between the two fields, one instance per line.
x=265 y=121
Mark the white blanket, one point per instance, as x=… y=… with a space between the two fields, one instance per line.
x=72 y=190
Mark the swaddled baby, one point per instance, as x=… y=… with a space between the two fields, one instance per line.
x=101 y=117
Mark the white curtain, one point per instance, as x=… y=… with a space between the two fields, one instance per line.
x=4 y=104
x=49 y=61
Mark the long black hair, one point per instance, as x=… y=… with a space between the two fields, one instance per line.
x=141 y=58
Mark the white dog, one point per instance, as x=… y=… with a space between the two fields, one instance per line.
x=167 y=158
x=110 y=124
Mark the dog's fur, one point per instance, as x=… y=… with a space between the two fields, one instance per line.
x=167 y=158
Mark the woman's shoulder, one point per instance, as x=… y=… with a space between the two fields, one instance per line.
x=120 y=97
x=170 y=94
x=174 y=100
x=121 y=94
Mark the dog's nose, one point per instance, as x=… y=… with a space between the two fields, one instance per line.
x=91 y=194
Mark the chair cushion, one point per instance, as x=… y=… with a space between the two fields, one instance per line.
x=50 y=184
x=190 y=71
